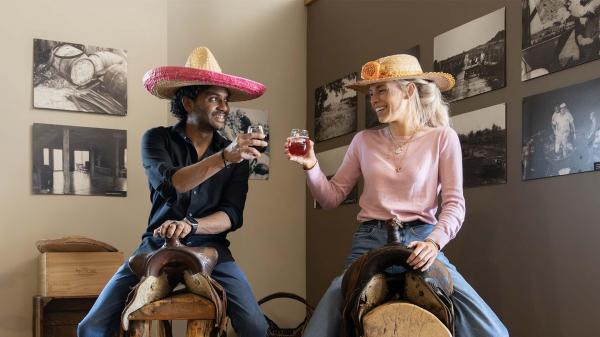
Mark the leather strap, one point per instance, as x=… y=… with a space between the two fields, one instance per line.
x=282 y=294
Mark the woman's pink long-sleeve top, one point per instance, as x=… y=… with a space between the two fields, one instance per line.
x=432 y=163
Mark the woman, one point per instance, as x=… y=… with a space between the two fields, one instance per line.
x=404 y=166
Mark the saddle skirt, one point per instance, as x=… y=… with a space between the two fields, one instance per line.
x=366 y=285
x=162 y=270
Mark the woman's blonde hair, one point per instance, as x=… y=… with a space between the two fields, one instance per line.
x=428 y=107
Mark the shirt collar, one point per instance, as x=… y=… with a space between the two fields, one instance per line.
x=218 y=142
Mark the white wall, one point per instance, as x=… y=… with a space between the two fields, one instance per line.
x=264 y=40
x=138 y=26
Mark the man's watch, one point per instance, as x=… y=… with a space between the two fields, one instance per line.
x=192 y=222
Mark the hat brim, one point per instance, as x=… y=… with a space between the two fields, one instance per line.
x=444 y=81
x=163 y=82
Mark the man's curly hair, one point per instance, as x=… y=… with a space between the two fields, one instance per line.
x=191 y=92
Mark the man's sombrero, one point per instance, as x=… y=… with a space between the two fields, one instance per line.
x=201 y=68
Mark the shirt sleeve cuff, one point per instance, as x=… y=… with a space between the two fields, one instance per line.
x=235 y=221
x=438 y=236
x=314 y=172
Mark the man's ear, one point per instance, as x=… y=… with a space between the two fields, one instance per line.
x=188 y=104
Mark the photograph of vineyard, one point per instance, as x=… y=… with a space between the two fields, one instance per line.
x=482 y=135
x=475 y=54
x=335 y=109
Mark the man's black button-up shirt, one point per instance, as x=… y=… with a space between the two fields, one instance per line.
x=167 y=149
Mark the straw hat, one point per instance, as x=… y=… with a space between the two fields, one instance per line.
x=201 y=68
x=398 y=67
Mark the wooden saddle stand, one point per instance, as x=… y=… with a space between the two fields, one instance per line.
x=203 y=303
x=381 y=304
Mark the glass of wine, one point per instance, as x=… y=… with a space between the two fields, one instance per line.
x=298 y=142
x=259 y=129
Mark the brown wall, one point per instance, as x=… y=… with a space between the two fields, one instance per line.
x=528 y=247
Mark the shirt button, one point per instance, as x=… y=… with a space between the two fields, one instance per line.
x=194 y=192
x=190 y=214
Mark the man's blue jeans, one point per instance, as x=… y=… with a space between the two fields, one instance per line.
x=474 y=318
x=104 y=318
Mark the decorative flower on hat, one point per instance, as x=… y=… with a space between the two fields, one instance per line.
x=370 y=70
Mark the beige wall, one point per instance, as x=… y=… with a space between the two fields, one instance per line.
x=263 y=40
x=27 y=218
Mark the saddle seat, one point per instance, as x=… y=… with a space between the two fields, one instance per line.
x=162 y=270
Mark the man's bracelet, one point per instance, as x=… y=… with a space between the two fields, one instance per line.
x=225 y=163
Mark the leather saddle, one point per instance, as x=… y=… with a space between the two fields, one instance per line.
x=366 y=285
x=160 y=271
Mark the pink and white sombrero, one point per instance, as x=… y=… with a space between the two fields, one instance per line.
x=201 y=68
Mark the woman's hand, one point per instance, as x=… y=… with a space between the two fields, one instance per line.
x=423 y=255
x=173 y=229
x=241 y=148
x=308 y=161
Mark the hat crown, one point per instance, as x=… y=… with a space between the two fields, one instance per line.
x=390 y=67
x=202 y=58
x=400 y=63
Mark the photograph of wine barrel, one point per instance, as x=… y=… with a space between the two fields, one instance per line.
x=77 y=77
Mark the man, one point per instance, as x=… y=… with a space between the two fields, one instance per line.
x=586 y=27
x=198 y=183
x=562 y=125
x=594 y=136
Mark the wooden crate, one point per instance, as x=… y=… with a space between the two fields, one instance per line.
x=77 y=274
x=58 y=317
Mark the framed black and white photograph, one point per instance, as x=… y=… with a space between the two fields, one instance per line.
x=77 y=77
x=482 y=135
x=76 y=160
x=371 y=120
x=238 y=121
x=558 y=34
x=475 y=54
x=561 y=131
x=330 y=162
x=335 y=109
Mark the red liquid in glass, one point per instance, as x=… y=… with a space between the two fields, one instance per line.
x=298 y=147
x=262 y=149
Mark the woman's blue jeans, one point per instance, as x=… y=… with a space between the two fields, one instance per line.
x=104 y=318
x=474 y=318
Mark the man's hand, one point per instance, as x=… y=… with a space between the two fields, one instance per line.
x=241 y=148
x=173 y=229
x=423 y=255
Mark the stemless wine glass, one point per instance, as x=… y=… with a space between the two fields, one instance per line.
x=298 y=142
x=257 y=128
